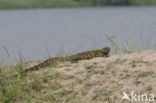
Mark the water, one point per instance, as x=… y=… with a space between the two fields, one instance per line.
x=35 y=34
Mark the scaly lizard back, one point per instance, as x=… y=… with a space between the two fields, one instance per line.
x=79 y=56
x=90 y=54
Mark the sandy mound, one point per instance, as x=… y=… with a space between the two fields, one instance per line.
x=103 y=80
x=99 y=80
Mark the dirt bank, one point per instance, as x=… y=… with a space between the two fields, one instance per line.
x=99 y=80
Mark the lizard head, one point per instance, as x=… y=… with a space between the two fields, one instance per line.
x=106 y=50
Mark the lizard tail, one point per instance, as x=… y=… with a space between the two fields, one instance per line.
x=46 y=63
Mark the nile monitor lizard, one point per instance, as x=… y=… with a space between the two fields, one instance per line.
x=73 y=58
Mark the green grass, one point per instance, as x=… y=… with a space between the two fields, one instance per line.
x=38 y=87
x=142 y=74
x=15 y=4
x=21 y=87
x=38 y=3
x=118 y=47
x=143 y=2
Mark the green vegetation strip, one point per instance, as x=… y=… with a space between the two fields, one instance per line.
x=15 y=4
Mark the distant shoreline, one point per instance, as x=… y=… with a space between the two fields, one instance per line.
x=30 y=4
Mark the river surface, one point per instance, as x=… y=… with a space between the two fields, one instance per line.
x=39 y=33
